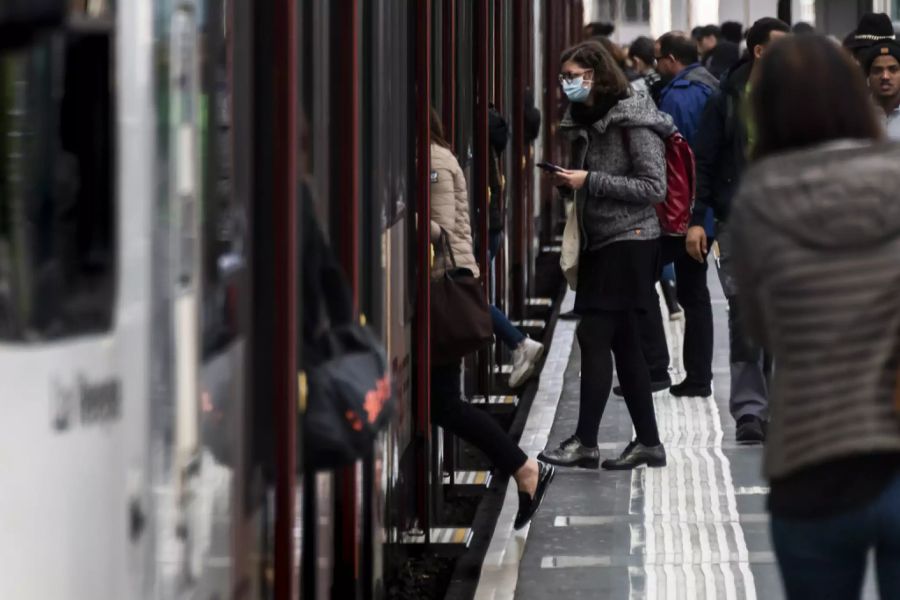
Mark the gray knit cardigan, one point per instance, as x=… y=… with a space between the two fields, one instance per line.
x=817 y=258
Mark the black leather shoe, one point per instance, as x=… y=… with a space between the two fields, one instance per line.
x=569 y=316
x=655 y=386
x=635 y=455
x=572 y=453
x=750 y=430
x=686 y=389
x=528 y=505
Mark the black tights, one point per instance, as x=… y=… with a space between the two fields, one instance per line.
x=469 y=423
x=598 y=333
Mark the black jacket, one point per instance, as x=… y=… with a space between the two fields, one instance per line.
x=720 y=146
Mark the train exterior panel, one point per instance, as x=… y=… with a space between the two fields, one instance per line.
x=153 y=159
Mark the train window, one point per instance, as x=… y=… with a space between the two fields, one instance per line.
x=57 y=200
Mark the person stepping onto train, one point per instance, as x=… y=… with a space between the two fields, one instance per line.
x=526 y=352
x=450 y=218
x=618 y=175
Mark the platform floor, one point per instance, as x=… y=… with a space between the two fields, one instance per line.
x=694 y=530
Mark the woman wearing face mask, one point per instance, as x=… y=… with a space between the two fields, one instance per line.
x=618 y=175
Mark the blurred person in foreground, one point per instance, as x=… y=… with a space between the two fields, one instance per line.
x=816 y=228
x=881 y=64
x=725 y=138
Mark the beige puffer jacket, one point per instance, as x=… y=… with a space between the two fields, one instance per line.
x=450 y=212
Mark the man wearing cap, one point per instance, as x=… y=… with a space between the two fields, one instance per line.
x=872 y=28
x=881 y=64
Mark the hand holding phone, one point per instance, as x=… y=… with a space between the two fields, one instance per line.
x=549 y=167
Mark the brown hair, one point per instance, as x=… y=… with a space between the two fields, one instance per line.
x=609 y=80
x=807 y=92
x=437 y=130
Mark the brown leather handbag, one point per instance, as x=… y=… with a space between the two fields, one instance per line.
x=460 y=316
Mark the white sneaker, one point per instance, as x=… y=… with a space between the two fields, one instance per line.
x=525 y=358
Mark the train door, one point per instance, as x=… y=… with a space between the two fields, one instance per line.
x=387 y=298
x=209 y=492
x=75 y=203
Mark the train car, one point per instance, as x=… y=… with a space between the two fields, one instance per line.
x=154 y=157
x=123 y=345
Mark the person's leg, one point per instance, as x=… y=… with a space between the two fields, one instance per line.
x=654 y=348
x=504 y=330
x=887 y=549
x=494 y=239
x=670 y=290
x=470 y=424
x=749 y=390
x=635 y=378
x=595 y=333
x=749 y=385
x=823 y=559
x=693 y=295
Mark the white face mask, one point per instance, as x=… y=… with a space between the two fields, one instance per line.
x=575 y=89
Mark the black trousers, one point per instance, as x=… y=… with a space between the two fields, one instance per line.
x=468 y=423
x=693 y=295
x=598 y=333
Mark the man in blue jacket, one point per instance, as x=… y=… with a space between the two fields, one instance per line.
x=684 y=98
x=723 y=144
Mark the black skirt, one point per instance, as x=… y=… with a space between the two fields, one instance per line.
x=620 y=276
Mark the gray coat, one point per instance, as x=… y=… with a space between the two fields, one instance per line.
x=627 y=172
x=817 y=259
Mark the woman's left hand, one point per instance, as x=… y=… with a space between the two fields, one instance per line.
x=573 y=179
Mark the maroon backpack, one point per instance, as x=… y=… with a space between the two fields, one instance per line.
x=681 y=183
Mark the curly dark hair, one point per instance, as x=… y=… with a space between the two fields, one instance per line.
x=609 y=80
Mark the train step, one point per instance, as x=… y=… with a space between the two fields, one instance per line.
x=539 y=308
x=503 y=369
x=498 y=403
x=533 y=328
x=468 y=481
x=448 y=541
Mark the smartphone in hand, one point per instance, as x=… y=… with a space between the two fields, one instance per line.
x=550 y=167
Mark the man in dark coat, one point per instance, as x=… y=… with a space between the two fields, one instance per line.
x=723 y=143
x=684 y=98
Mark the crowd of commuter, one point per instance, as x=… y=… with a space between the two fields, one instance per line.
x=795 y=203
